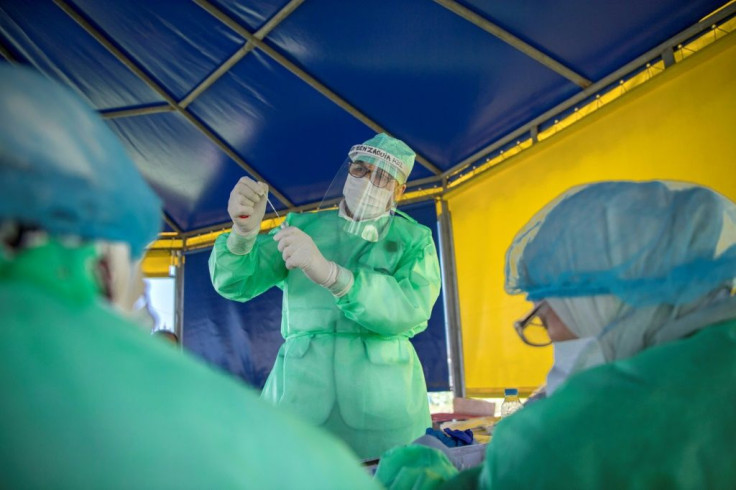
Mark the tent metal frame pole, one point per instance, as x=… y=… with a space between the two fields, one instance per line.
x=642 y=60
x=5 y=52
x=453 y=325
x=136 y=111
x=179 y=296
x=170 y=221
x=303 y=75
x=240 y=53
x=217 y=74
x=515 y=42
x=103 y=39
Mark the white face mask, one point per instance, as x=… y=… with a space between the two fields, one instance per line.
x=572 y=356
x=364 y=200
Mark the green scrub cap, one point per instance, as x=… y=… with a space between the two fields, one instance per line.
x=390 y=154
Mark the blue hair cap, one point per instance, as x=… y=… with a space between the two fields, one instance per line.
x=659 y=242
x=62 y=169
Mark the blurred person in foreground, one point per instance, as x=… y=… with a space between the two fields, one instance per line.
x=89 y=401
x=632 y=282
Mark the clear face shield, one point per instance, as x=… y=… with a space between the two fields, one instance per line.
x=365 y=192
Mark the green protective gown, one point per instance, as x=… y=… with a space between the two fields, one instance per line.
x=91 y=401
x=346 y=363
x=662 y=419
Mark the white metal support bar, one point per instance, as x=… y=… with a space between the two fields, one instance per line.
x=514 y=42
x=453 y=327
x=303 y=75
x=102 y=38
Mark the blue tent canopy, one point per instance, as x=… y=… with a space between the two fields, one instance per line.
x=204 y=92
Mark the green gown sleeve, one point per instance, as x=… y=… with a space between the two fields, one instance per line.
x=243 y=277
x=399 y=303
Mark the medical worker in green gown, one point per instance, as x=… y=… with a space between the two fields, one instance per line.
x=632 y=283
x=89 y=400
x=358 y=282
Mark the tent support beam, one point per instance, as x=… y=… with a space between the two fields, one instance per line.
x=601 y=84
x=453 y=328
x=102 y=38
x=515 y=42
x=215 y=75
x=240 y=53
x=303 y=75
x=5 y=52
x=172 y=224
x=136 y=111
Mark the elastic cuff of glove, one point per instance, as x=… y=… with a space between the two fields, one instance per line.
x=241 y=244
x=331 y=276
x=343 y=282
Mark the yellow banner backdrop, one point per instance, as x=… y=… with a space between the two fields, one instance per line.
x=680 y=126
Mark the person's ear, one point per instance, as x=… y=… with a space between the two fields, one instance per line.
x=398 y=192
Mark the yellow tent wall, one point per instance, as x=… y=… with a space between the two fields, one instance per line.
x=679 y=126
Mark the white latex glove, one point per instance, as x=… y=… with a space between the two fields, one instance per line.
x=298 y=250
x=247 y=205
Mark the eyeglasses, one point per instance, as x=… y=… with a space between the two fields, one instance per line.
x=531 y=330
x=378 y=177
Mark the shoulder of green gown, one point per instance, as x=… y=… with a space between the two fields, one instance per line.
x=405 y=216
x=405 y=225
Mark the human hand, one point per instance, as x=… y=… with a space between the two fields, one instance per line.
x=299 y=251
x=247 y=205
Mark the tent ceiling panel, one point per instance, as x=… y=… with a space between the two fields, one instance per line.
x=429 y=77
x=595 y=38
x=190 y=173
x=170 y=39
x=258 y=102
x=40 y=34
x=325 y=76
x=252 y=14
